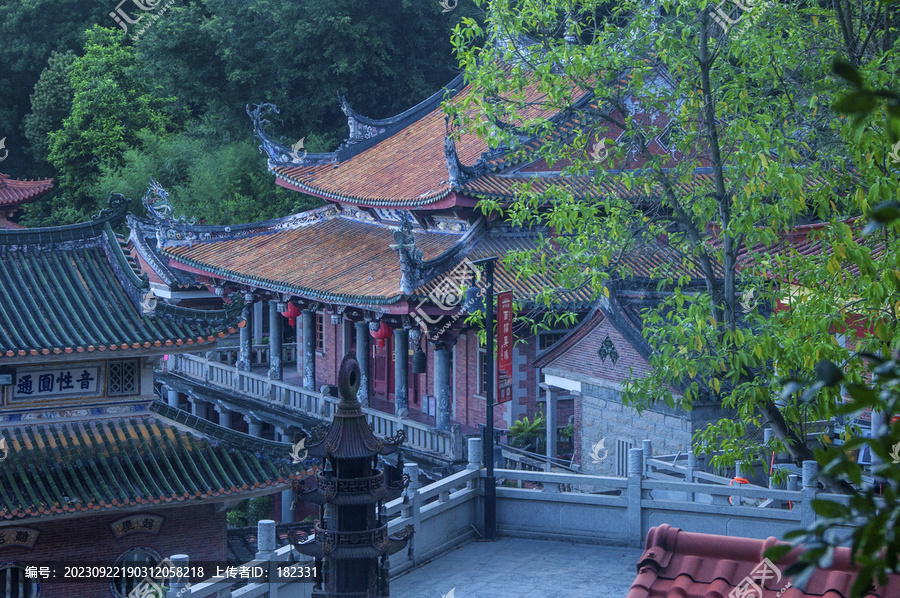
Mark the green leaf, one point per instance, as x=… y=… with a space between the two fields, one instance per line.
x=830 y=509
x=858 y=102
x=847 y=72
x=828 y=373
x=778 y=551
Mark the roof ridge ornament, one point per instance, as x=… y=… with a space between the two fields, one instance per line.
x=361 y=127
x=118 y=205
x=156 y=201
x=279 y=154
x=412 y=266
x=458 y=172
x=168 y=228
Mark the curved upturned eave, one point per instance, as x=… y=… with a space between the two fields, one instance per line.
x=363 y=201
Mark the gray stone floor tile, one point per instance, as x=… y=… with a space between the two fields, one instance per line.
x=517 y=568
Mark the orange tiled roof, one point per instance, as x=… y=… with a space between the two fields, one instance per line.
x=337 y=259
x=14 y=192
x=407 y=168
x=647 y=263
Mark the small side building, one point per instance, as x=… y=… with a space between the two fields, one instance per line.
x=589 y=366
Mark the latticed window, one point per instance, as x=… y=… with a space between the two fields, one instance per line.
x=482 y=368
x=320 y=332
x=123 y=378
x=14 y=583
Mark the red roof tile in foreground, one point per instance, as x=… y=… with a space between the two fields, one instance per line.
x=14 y=192
x=692 y=565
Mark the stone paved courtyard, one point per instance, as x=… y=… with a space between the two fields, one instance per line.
x=517 y=568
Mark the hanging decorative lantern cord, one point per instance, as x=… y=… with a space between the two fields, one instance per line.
x=291 y=313
x=383 y=333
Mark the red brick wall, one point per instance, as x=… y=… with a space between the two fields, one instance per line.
x=525 y=393
x=583 y=358
x=198 y=531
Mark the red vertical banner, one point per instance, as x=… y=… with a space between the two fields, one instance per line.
x=504 y=346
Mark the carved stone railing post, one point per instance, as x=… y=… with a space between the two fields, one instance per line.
x=647 y=447
x=633 y=510
x=178 y=585
x=265 y=539
x=808 y=493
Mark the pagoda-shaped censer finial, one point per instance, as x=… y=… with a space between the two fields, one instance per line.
x=351 y=538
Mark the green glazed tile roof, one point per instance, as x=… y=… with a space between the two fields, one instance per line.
x=71 y=289
x=62 y=468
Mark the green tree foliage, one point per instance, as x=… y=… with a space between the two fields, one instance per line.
x=529 y=434
x=109 y=113
x=51 y=102
x=383 y=55
x=751 y=106
x=217 y=183
x=872 y=513
x=31 y=31
x=195 y=68
x=249 y=512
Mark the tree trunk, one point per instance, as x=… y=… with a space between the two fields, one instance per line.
x=797 y=448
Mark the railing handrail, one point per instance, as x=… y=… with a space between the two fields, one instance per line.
x=435 y=438
x=560 y=478
x=555 y=461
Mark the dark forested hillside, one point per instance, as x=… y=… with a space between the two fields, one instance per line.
x=103 y=110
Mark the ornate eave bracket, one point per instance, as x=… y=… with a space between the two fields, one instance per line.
x=278 y=154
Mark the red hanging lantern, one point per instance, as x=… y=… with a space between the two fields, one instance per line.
x=382 y=334
x=291 y=313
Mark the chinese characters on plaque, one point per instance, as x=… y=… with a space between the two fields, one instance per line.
x=18 y=536
x=136 y=523
x=504 y=346
x=75 y=381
